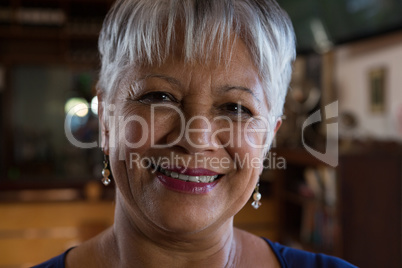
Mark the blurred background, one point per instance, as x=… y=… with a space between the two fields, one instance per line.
x=344 y=200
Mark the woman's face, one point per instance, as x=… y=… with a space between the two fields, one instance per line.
x=186 y=142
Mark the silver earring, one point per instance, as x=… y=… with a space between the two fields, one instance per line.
x=257 y=197
x=106 y=172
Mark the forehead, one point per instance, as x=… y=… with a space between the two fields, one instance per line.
x=233 y=62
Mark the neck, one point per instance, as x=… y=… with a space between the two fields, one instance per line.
x=145 y=245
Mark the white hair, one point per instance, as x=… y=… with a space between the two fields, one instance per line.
x=137 y=32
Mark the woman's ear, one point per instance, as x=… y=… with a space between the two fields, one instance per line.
x=104 y=128
x=278 y=124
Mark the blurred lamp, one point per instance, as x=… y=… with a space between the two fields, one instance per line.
x=76 y=106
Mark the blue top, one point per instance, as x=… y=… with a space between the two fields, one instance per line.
x=296 y=258
x=56 y=262
x=287 y=257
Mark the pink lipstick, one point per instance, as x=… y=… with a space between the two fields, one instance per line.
x=192 y=181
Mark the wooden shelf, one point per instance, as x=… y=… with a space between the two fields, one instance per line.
x=73 y=41
x=298 y=204
x=22 y=32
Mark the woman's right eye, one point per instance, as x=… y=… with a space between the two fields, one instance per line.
x=157 y=97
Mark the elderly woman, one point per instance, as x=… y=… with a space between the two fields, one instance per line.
x=192 y=92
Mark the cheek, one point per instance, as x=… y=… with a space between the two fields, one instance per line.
x=131 y=134
x=248 y=152
x=139 y=131
x=134 y=133
x=259 y=136
x=248 y=139
x=254 y=140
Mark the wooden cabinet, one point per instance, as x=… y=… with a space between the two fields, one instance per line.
x=371 y=208
x=364 y=225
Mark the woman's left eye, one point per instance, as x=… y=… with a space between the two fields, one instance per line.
x=157 y=97
x=237 y=109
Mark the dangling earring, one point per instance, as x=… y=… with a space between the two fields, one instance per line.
x=257 y=197
x=106 y=172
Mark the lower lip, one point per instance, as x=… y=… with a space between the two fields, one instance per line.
x=186 y=186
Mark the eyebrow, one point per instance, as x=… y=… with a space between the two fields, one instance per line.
x=168 y=79
x=227 y=88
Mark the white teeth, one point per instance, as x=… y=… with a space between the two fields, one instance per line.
x=204 y=179
x=175 y=175
x=194 y=178
x=183 y=177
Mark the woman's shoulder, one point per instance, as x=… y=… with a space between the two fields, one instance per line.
x=56 y=262
x=291 y=257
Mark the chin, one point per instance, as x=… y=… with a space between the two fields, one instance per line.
x=185 y=221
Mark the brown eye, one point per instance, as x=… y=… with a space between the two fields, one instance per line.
x=157 y=97
x=237 y=109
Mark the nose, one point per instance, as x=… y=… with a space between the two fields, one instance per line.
x=196 y=135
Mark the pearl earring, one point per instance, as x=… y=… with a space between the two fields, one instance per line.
x=257 y=197
x=106 y=172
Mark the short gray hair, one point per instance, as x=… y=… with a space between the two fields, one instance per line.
x=137 y=32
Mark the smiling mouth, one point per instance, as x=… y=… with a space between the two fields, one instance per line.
x=184 y=177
